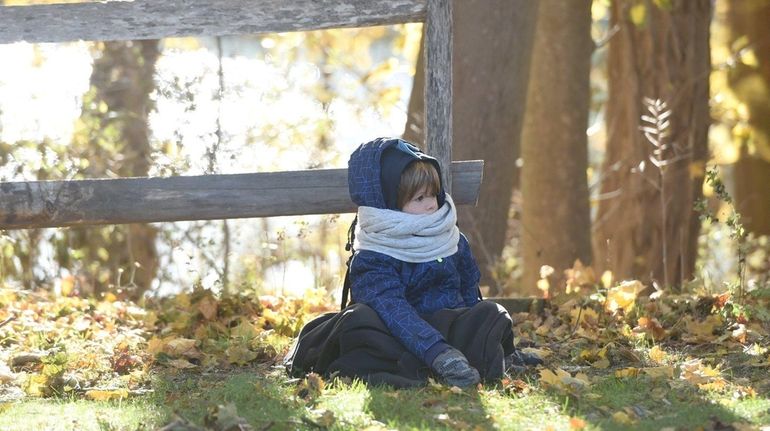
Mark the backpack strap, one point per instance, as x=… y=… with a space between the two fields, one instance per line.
x=348 y=247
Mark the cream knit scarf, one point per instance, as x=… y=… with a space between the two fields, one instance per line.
x=409 y=237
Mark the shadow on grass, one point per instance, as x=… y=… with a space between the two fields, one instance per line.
x=263 y=401
x=645 y=403
x=429 y=408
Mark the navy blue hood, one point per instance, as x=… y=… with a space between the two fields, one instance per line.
x=374 y=171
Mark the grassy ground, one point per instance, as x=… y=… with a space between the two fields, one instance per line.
x=268 y=400
x=198 y=363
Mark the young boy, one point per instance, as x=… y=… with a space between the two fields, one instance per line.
x=411 y=259
x=414 y=283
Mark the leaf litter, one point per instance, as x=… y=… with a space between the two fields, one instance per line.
x=108 y=349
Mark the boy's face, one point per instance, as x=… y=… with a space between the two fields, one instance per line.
x=422 y=202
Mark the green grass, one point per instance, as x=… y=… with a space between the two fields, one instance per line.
x=66 y=415
x=271 y=401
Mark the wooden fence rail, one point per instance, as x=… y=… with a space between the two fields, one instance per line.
x=156 y=19
x=35 y=204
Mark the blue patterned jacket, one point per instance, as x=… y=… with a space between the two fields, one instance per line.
x=401 y=291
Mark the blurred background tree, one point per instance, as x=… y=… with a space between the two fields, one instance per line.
x=750 y=81
x=660 y=51
x=555 y=215
x=114 y=142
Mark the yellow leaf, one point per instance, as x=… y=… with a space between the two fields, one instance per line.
x=638 y=14
x=238 y=354
x=543 y=286
x=67 y=285
x=749 y=58
x=601 y=364
x=607 y=279
x=622 y=418
x=623 y=296
x=627 y=372
x=579 y=276
x=150 y=319
x=208 y=307
x=717 y=385
x=549 y=377
x=586 y=315
x=660 y=372
x=106 y=395
x=657 y=355
x=701 y=330
x=182 y=347
x=37 y=385
x=244 y=330
x=181 y=364
x=563 y=381
x=155 y=346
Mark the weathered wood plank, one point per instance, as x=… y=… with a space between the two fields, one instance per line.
x=155 y=19
x=438 y=83
x=144 y=200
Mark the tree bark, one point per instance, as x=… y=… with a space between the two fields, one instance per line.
x=491 y=58
x=752 y=86
x=556 y=221
x=665 y=57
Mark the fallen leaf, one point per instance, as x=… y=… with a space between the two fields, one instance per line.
x=623 y=297
x=659 y=372
x=627 y=372
x=239 y=354
x=657 y=355
x=588 y=316
x=541 y=353
x=107 y=395
x=208 y=307
x=564 y=381
x=622 y=418
x=650 y=326
x=576 y=423
x=578 y=277
x=182 y=364
x=701 y=331
x=182 y=347
x=225 y=418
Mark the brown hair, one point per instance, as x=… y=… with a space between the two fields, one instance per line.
x=417 y=175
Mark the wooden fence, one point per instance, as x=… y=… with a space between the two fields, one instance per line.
x=35 y=204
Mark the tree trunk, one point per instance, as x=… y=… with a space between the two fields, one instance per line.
x=664 y=57
x=556 y=221
x=118 y=106
x=491 y=58
x=752 y=86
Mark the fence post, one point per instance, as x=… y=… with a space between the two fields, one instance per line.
x=438 y=84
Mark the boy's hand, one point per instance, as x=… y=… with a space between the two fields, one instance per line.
x=454 y=368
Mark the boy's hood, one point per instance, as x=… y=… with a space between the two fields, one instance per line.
x=370 y=185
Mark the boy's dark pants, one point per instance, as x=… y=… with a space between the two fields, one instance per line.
x=356 y=343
